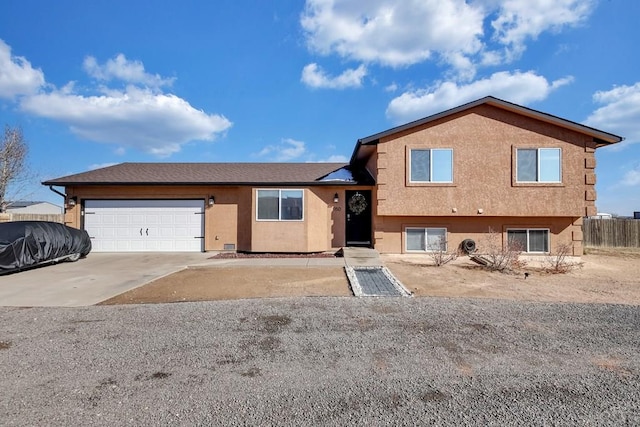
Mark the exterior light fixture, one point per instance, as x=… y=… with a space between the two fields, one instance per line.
x=336 y=199
x=72 y=201
x=212 y=201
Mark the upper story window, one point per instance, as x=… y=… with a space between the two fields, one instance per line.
x=279 y=205
x=431 y=165
x=539 y=164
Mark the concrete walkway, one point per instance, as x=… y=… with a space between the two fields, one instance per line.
x=361 y=257
x=368 y=276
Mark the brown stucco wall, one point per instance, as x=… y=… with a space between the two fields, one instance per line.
x=221 y=219
x=232 y=219
x=484 y=140
x=323 y=228
x=390 y=236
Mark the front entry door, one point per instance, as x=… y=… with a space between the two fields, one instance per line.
x=358 y=217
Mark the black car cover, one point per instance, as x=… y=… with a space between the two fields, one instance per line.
x=25 y=244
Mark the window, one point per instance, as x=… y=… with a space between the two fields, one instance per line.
x=538 y=165
x=280 y=205
x=426 y=239
x=434 y=165
x=529 y=240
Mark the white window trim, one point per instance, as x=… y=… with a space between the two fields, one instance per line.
x=280 y=190
x=538 y=180
x=426 y=249
x=431 y=150
x=532 y=229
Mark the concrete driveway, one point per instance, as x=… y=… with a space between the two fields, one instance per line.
x=90 y=280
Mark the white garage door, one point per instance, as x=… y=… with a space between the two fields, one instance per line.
x=145 y=225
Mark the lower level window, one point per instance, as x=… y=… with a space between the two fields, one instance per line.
x=529 y=240
x=426 y=239
x=280 y=205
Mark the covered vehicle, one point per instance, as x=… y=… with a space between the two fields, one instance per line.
x=26 y=244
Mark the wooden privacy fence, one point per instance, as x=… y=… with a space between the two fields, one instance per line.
x=9 y=217
x=613 y=232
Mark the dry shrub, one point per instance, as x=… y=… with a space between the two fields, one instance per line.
x=558 y=262
x=439 y=254
x=500 y=257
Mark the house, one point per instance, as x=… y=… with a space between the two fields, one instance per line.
x=432 y=183
x=38 y=208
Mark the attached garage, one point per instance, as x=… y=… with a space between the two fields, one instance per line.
x=145 y=225
x=166 y=207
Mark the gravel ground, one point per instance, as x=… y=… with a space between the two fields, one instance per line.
x=322 y=361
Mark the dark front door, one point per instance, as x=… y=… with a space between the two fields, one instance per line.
x=358 y=216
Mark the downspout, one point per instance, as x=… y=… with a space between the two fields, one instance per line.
x=58 y=192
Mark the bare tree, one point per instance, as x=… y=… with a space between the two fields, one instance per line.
x=13 y=168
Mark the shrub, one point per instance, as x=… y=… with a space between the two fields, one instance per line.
x=439 y=254
x=498 y=256
x=558 y=262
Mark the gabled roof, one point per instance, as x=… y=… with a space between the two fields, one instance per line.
x=600 y=137
x=208 y=174
x=23 y=204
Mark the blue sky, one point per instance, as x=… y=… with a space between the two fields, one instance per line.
x=95 y=83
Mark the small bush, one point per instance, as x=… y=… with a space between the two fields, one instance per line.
x=439 y=255
x=558 y=262
x=500 y=257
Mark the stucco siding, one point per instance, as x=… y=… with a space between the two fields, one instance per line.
x=484 y=140
x=562 y=230
x=221 y=224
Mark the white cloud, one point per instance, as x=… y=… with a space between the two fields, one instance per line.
x=517 y=87
x=390 y=32
x=288 y=149
x=462 y=34
x=391 y=88
x=17 y=76
x=619 y=113
x=140 y=116
x=121 y=68
x=136 y=118
x=631 y=178
x=315 y=77
x=335 y=158
x=101 y=165
x=520 y=20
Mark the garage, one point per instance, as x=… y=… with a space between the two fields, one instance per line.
x=145 y=225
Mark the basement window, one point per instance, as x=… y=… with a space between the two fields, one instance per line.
x=529 y=240
x=425 y=239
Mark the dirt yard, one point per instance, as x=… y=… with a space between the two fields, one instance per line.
x=220 y=283
x=606 y=276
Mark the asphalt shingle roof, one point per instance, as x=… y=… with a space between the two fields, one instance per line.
x=203 y=173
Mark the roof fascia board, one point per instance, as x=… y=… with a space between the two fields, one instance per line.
x=605 y=137
x=228 y=184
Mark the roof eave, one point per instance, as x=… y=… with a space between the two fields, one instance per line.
x=601 y=137
x=231 y=184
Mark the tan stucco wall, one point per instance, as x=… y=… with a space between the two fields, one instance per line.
x=484 y=140
x=323 y=227
x=390 y=236
x=232 y=219
x=221 y=219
